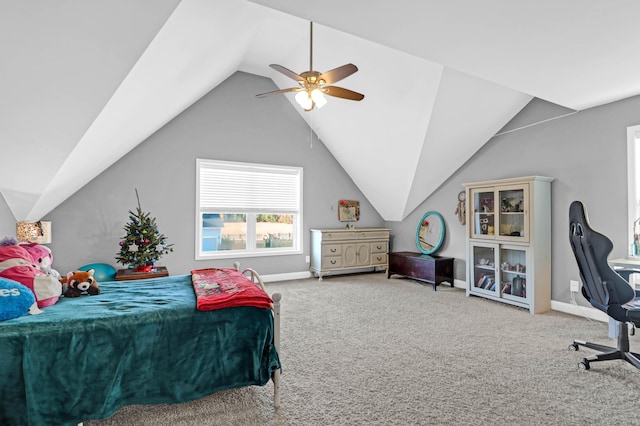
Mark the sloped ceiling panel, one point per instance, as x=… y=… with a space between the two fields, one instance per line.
x=197 y=48
x=467 y=113
x=93 y=79
x=411 y=114
x=575 y=53
x=61 y=62
x=377 y=140
x=182 y=52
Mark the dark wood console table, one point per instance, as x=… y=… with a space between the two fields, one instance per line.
x=423 y=267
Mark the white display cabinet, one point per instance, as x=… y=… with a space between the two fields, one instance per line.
x=509 y=241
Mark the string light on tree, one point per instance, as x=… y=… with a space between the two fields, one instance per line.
x=143 y=245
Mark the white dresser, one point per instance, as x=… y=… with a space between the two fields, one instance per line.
x=341 y=250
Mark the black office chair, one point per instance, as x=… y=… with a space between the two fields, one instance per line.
x=605 y=288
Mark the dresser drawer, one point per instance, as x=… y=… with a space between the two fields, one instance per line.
x=378 y=258
x=331 y=249
x=331 y=262
x=379 y=247
x=373 y=235
x=338 y=236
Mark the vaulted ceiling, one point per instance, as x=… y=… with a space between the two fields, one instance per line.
x=92 y=79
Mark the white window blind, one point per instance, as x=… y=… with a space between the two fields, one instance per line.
x=229 y=187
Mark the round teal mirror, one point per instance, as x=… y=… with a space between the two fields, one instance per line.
x=430 y=233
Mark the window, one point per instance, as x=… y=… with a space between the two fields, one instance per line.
x=633 y=204
x=246 y=209
x=633 y=170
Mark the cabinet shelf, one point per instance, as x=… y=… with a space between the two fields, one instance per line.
x=507 y=271
x=509 y=241
x=485 y=267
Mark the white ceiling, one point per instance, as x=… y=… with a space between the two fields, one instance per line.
x=92 y=79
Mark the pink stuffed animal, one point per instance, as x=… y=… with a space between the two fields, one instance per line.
x=43 y=257
x=17 y=264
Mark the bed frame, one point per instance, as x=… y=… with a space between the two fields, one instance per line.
x=59 y=369
x=255 y=277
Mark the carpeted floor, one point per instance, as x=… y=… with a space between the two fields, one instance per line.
x=365 y=350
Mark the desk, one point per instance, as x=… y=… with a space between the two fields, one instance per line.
x=626 y=262
x=128 y=274
x=623 y=263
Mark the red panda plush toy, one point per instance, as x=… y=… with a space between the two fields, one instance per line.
x=77 y=283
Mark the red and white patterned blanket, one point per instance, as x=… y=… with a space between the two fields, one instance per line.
x=218 y=288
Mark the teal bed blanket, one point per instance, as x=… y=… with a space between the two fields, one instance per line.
x=137 y=342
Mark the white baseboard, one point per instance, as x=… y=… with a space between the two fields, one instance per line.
x=285 y=277
x=307 y=274
x=579 y=310
x=567 y=308
x=460 y=284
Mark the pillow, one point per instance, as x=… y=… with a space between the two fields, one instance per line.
x=15 y=299
x=101 y=271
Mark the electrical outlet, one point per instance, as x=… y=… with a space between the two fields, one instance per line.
x=307 y=259
x=575 y=285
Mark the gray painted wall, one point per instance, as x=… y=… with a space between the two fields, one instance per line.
x=586 y=155
x=7 y=220
x=584 y=152
x=227 y=124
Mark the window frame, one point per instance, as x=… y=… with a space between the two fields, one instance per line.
x=250 y=251
x=633 y=182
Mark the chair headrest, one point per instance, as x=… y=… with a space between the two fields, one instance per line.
x=577 y=214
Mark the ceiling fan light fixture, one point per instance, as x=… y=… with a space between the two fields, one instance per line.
x=318 y=98
x=304 y=100
x=313 y=85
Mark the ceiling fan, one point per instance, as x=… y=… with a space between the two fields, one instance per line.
x=313 y=85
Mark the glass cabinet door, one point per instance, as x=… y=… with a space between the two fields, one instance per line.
x=513 y=210
x=484 y=268
x=484 y=208
x=513 y=273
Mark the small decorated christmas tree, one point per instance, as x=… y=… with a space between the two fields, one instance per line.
x=143 y=244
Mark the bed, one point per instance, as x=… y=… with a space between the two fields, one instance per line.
x=138 y=342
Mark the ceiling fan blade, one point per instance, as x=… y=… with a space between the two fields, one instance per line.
x=275 y=92
x=340 y=92
x=338 y=74
x=287 y=72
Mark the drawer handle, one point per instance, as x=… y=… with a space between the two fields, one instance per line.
x=379 y=247
x=333 y=250
x=333 y=262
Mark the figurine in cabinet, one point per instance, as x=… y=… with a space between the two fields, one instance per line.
x=486 y=204
x=509 y=205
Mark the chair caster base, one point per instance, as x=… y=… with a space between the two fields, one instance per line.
x=584 y=364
